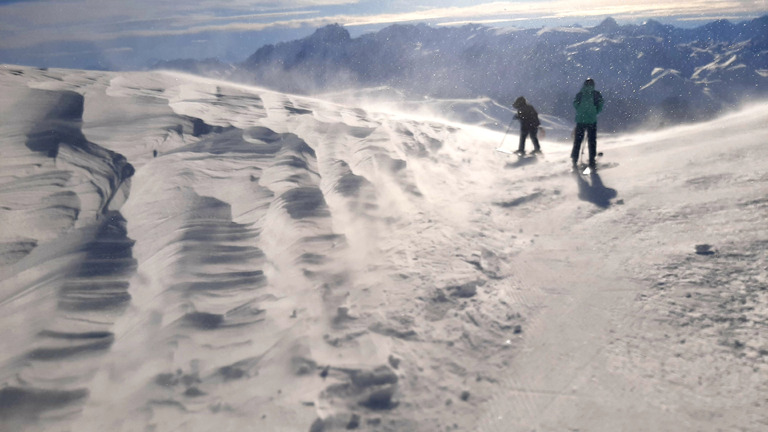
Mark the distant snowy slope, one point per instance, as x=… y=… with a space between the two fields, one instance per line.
x=482 y=112
x=179 y=252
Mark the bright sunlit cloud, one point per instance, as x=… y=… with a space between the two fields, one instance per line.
x=521 y=10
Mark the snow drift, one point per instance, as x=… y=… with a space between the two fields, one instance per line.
x=178 y=252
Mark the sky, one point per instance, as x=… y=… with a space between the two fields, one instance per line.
x=120 y=34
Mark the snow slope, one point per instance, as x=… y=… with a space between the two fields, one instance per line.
x=177 y=252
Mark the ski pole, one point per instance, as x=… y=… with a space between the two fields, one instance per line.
x=505 y=133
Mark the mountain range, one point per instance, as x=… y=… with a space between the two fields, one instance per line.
x=650 y=74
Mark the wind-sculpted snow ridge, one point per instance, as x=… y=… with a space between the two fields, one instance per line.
x=238 y=277
x=65 y=256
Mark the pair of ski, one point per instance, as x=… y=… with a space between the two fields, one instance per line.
x=583 y=169
x=580 y=168
x=520 y=154
x=586 y=169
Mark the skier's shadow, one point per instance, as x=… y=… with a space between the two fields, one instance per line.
x=594 y=190
x=522 y=161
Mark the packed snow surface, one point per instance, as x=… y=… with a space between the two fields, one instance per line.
x=178 y=253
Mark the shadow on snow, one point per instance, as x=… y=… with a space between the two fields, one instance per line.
x=522 y=161
x=594 y=191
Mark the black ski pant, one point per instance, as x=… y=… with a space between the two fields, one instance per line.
x=591 y=130
x=534 y=133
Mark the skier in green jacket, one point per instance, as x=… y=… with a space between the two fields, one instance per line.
x=588 y=104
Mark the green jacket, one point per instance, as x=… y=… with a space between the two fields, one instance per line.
x=588 y=103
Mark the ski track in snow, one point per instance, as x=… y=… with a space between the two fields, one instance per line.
x=178 y=252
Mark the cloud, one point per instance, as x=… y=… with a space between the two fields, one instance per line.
x=116 y=50
x=718 y=17
x=569 y=9
x=29 y=23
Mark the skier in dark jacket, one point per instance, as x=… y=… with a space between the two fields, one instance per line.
x=529 y=125
x=588 y=104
